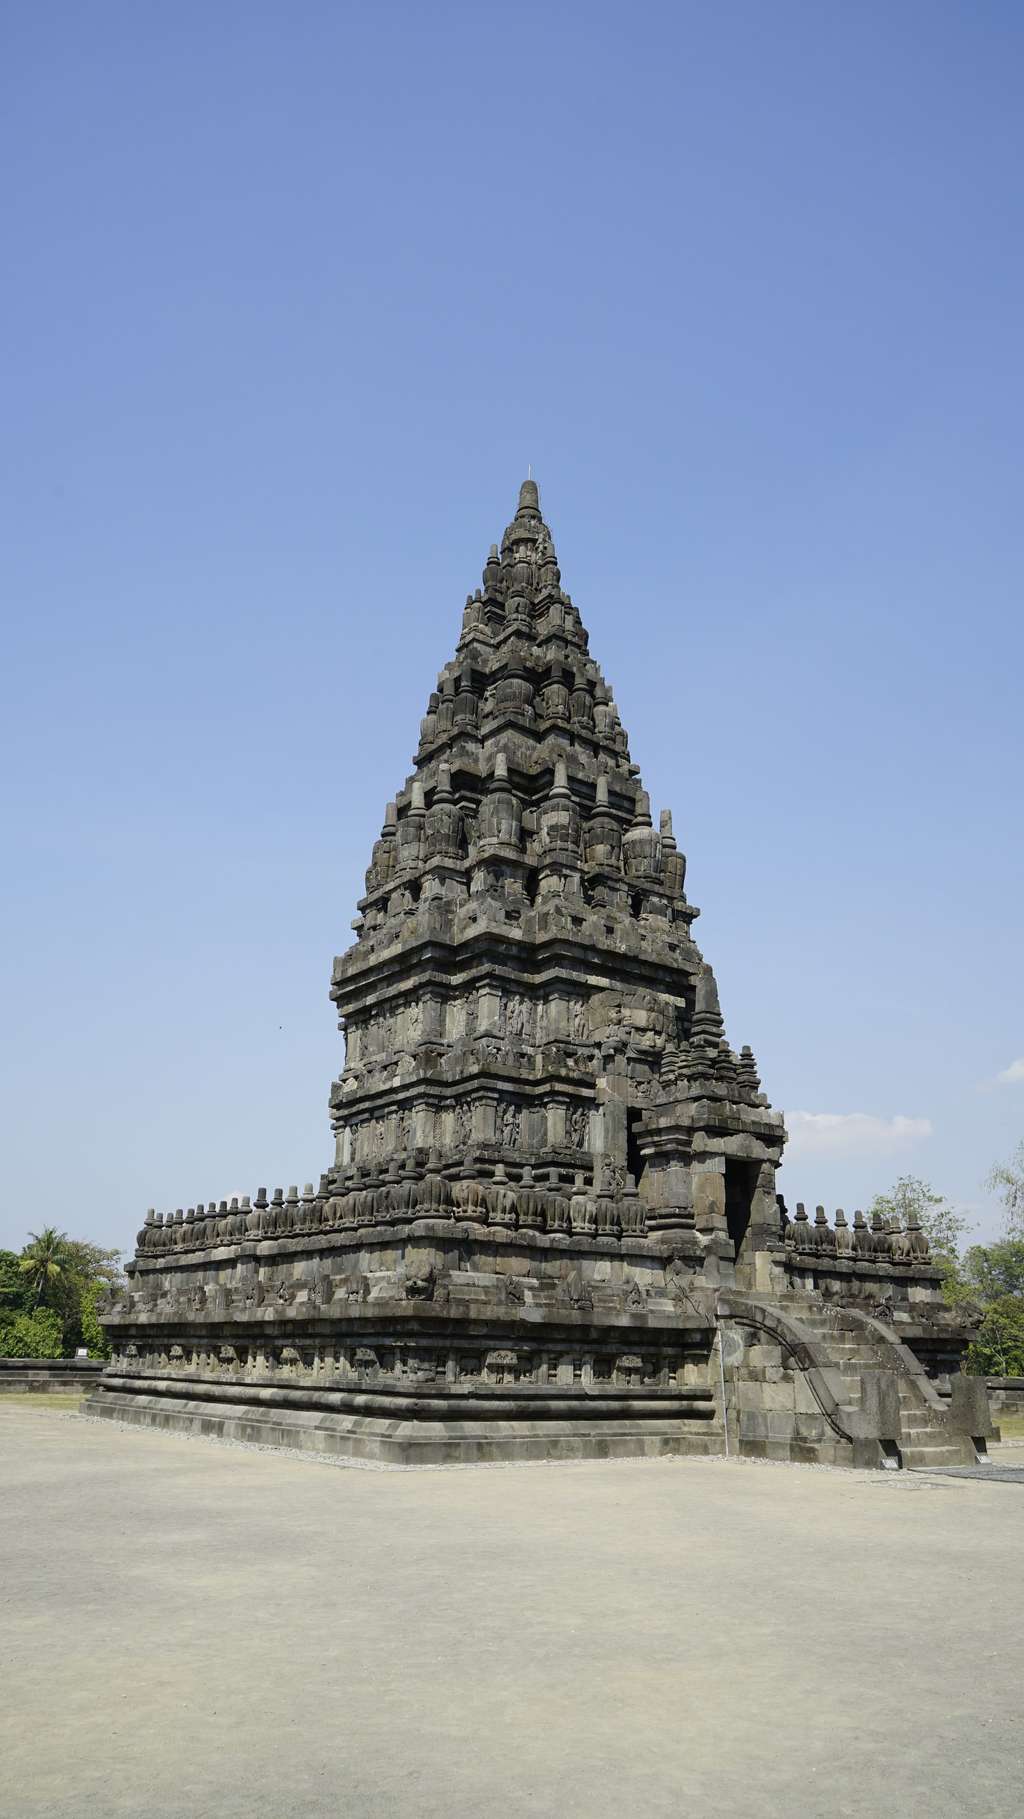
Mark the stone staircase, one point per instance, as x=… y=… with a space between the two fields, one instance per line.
x=809 y=1381
x=856 y=1346
x=928 y=1440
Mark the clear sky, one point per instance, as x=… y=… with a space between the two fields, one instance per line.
x=292 y=295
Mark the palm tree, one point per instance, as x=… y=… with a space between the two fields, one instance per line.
x=44 y=1262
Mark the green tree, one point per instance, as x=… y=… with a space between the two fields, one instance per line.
x=63 y=1276
x=992 y=1271
x=13 y=1290
x=45 y=1265
x=92 y=1269
x=998 y=1346
x=938 y=1219
x=989 y=1276
x=91 y=1333
x=1007 y=1180
x=91 y=1263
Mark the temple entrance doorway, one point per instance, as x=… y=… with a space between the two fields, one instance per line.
x=740 y=1186
x=634 y=1160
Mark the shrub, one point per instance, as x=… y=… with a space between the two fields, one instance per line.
x=36 y=1335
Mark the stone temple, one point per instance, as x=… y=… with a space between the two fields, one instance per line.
x=550 y=1227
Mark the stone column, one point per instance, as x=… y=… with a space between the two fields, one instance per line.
x=488 y=1009
x=764 y=1212
x=708 y=1183
x=556 y=1124
x=666 y=1196
x=433 y=1020
x=535 y=1128
x=556 y=1017
x=484 y=1117
x=708 y=1186
x=609 y=1128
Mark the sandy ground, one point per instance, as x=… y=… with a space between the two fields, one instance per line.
x=194 y=1629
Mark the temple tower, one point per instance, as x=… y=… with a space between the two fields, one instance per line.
x=525 y=988
x=552 y=1194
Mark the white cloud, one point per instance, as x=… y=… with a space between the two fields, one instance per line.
x=852 y=1133
x=1012 y=1075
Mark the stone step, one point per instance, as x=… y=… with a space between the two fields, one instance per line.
x=930 y=1455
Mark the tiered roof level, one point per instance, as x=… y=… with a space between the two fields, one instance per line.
x=525 y=984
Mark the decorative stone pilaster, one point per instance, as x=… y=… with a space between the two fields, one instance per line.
x=557 y=1112
x=485 y=1110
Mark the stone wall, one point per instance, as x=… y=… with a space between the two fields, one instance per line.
x=1006 y=1395
x=18 y=1375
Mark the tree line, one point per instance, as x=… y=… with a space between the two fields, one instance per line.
x=48 y=1294
x=986 y=1280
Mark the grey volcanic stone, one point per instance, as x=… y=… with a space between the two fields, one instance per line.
x=549 y=1164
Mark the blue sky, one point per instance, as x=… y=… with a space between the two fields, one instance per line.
x=292 y=297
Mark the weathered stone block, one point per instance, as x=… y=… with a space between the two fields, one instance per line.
x=880 y=1404
x=811 y=1427
x=753 y=1424
x=750 y=1395
x=969 y=1407
x=781 y=1426
x=778 y=1396
x=804 y=1398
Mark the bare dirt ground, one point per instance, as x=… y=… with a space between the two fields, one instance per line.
x=190 y=1629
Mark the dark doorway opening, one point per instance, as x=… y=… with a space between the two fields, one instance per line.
x=740 y=1186
x=634 y=1160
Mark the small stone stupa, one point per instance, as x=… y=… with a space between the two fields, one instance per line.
x=550 y=1226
